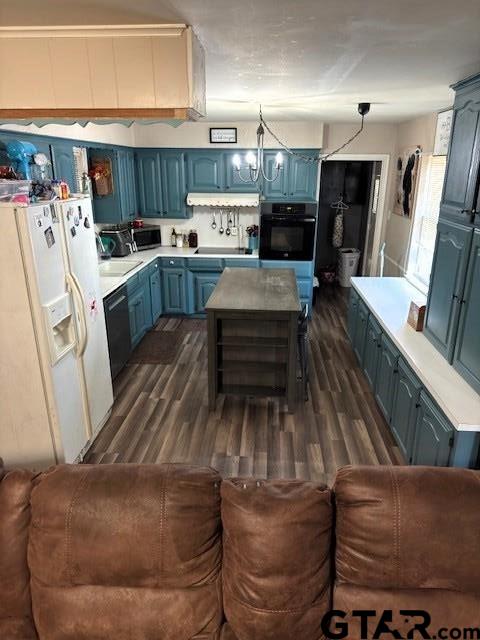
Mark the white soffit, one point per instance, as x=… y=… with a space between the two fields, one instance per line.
x=223 y=199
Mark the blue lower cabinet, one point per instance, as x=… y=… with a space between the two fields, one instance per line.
x=386 y=373
x=372 y=350
x=140 y=312
x=174 y=290
x=434 y=435
x=203 y=285
x=405 y=408
x=360 y=331
x=352 y=314
x=155 y=292
x=303 y=271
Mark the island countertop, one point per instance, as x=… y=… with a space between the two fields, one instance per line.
x=257 y=290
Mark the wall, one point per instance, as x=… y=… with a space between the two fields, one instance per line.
x=375 y=138
x=420 y=131
x=306 y=134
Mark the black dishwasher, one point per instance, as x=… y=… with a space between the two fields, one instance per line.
x=118 y=329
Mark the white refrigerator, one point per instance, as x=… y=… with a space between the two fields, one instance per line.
x=55 y=382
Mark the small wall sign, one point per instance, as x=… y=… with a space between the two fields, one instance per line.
x=223 y=135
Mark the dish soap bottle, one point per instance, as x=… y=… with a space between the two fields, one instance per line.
x=173 y=238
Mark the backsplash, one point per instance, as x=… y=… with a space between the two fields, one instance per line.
x=201 y=221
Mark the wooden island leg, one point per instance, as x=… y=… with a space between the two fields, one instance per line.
x=212 y=359
x=292 y=363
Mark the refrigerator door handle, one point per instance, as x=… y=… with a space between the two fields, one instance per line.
x=80 y=307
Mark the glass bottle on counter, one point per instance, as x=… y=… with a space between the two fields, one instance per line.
x=173 y=238
x=193 y=239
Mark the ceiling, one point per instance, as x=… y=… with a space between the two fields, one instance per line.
x=305 y=59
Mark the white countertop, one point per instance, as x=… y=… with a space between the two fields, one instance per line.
x=108 y=284
x=389 y=301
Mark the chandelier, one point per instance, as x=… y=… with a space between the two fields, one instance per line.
x=256 y=162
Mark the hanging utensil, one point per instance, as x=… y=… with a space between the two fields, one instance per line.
x=221 y=230
x=229 y=223
x=214 y=222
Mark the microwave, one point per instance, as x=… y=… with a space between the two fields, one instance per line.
x=288 y=231
x=147 y=237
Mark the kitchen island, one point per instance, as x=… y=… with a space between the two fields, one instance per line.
x=252 y=318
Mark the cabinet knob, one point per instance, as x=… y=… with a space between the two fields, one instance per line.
x=172 y=262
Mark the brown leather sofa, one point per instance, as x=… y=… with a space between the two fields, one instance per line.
x=171 y=552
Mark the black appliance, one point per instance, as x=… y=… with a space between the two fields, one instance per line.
x=287 y=230
x=147 y=237
x=118 y=329
x=122 y=238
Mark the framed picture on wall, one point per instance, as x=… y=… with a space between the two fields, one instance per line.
x=226 y=135
x=442 y=132
x=406 y=180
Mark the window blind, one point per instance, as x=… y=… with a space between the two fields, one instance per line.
x=424 y=230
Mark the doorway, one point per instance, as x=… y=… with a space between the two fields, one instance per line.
x=352 y=183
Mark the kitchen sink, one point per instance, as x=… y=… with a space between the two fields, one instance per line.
x=115 y=269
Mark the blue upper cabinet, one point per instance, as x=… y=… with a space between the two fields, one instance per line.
x=174 y=185
x=297 y=181
x=463 y=158
x=467 y=351
x=121 y=204
x=149 y=183
x=303 y=177
x=233 y=182
x=446 y=285
x=277 y=190
x=205 y=171
x=62 y=159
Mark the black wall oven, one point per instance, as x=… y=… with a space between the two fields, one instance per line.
x=287 y=231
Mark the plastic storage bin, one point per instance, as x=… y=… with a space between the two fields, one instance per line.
x=10 y=190
x=347 y=265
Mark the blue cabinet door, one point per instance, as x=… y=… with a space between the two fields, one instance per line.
x=446 y=285
x=404 y=408
x=126 y=187
x=205 y=171
x=140 y=313
x=149 y=183
x=386 y=376
x=203 y=286
x=467 y=351
x=174 y=185
x=63 y=166
x=433 y=435
x=155 y=292
x=278 y=189
x=302 y=178
x=372 y=350
x=360 y=331
x=232 y=180
x=174 y=289
x=463 y=159
x=352 y=314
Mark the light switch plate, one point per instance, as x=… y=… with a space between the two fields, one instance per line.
x=234 y=231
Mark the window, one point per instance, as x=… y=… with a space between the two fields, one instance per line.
x=424 y=229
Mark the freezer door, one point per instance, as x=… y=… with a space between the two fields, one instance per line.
x=82 y=260
x=41 y=238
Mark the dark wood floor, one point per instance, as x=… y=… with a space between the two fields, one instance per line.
x=161 y=412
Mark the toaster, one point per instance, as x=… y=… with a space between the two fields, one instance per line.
x=122 y=237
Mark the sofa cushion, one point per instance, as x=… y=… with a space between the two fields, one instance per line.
x=408 y=538
x=276 y=564
x=15 y=601
x=126 y=551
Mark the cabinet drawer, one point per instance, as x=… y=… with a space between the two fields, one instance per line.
x=240 y=263
x=173 y=262
x=138 y=279
x=205 y=264
x=302 y=269
x=153 y=267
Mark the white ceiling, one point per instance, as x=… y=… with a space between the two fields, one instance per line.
x=305 y=59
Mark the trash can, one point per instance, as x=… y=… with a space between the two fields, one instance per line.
x=347 y=265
